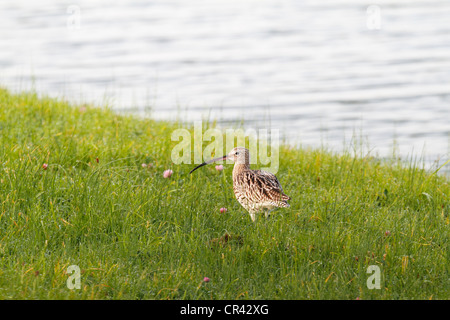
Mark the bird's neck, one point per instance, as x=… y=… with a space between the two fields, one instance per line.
x=240 y=167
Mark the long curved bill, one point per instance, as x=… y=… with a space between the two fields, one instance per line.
x=208 y=162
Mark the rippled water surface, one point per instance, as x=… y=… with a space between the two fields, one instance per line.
x=321 y=71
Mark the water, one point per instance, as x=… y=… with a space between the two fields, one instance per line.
x=320 y=71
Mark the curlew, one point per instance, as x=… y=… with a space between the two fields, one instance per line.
x=255 y=190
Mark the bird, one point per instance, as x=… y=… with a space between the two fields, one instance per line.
x=255 y=190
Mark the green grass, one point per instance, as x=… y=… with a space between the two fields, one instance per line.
x=137 y=235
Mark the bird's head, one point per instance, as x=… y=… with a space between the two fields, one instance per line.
x=239 y=155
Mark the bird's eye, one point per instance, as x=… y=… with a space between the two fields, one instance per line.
x=237 y=153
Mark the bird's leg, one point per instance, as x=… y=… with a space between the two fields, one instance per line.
x=252 y=215
x=266 y=213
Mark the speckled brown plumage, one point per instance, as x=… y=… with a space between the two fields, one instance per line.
x=255 y=190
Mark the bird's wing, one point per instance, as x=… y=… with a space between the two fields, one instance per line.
x=262 y=186
x=274 y=183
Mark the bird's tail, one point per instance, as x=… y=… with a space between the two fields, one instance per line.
x=284 y=204
x=285 y=197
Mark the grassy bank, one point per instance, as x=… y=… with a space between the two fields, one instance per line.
x=74 y=191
